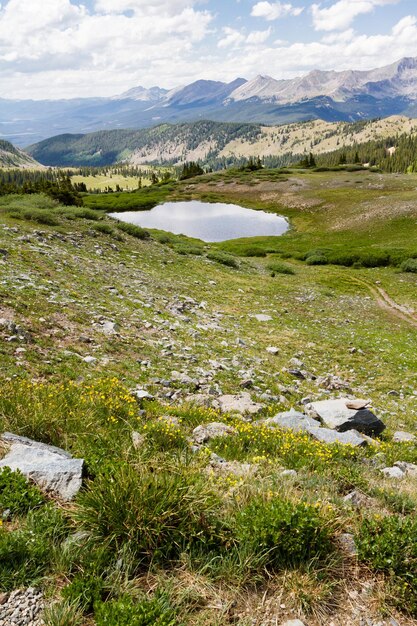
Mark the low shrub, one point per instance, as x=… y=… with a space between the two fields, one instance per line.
x=126 y=612
x=186 y=250
x=253 y=252
x=288 y=534
x=280 y=268
x=133 y=231
x=224 y=259
x=41 y=216
x=84 y=590
x=316 y=258
x=16 y=493
x=26 y=553
x=104 y=228
x=85 y=214
x=388 y=544
x=410 y=265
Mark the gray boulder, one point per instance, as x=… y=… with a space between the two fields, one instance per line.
x=293 y=420
x=326 y=435
x=393 y=472
x=52 y=469
x=336 y=414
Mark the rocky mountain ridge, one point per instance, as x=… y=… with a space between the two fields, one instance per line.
x=328 y=95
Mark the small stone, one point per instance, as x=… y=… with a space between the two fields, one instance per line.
x=260 y=317
x=293 y=622
x=393 y=472
x=272 y=350
x=289 y=472
x=89 y=359
x=205 y=432
x=348 y=545
x=142 y=394
x=138 y=440
x=401 y=436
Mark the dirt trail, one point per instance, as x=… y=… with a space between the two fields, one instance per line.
x=385 y=302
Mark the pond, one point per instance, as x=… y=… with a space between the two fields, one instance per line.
x=206 y=221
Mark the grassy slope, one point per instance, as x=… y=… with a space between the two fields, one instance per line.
x=59 y=282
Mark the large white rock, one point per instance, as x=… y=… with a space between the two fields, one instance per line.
x=52 y=469
x=337 y=415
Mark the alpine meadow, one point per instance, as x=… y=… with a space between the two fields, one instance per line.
x=208 y=313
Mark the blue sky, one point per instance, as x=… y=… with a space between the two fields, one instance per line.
x=70 y=48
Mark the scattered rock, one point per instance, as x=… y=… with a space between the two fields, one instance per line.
x=142 y=394
x=293 y=622
x=89 y=359
x=335 y=414
x=52 y=469
x=410 y=469
x=22 y=608
x=138 y=440
x=289 y=472
x=348 y=545
x=326 y=435
x=241 y=403
x=293 y=420
x=260 y=317
x=272 y=350
x=393 y=472
x=358 y=499
x=205 y=432
x=401 y=436
x=200 y=399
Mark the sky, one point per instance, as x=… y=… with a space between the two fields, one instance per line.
x=53 y=49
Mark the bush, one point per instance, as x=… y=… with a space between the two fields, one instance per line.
x=84 y=590
x=287 y=534
x=280 y=268
x=253 y=252
x=86 y=214
x=25 y=554
x=17 y=494
x=104 y=228
x=185 y=250
x=410 y=265
x=41 y=216
x=159 y=513
x=126 y=612
x=316 y=258
x=388 y=544
x=224 y=259
x=133 y=231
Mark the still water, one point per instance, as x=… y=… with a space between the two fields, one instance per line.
x=206 y=221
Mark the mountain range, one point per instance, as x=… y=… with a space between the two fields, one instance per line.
x=328 y=95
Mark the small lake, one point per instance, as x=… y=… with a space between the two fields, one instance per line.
x=207 y=221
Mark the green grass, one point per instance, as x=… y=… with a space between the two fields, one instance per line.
x=161 y=520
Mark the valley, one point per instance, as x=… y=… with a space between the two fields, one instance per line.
x=126 y=344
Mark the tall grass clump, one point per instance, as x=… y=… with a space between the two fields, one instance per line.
x=159 y=512
x=280 y=268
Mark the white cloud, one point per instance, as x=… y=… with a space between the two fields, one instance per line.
x=340 y=15
x=235 y=38
x=257 y=37
x=274 y=10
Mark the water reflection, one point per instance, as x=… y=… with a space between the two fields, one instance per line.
x=206 y=221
